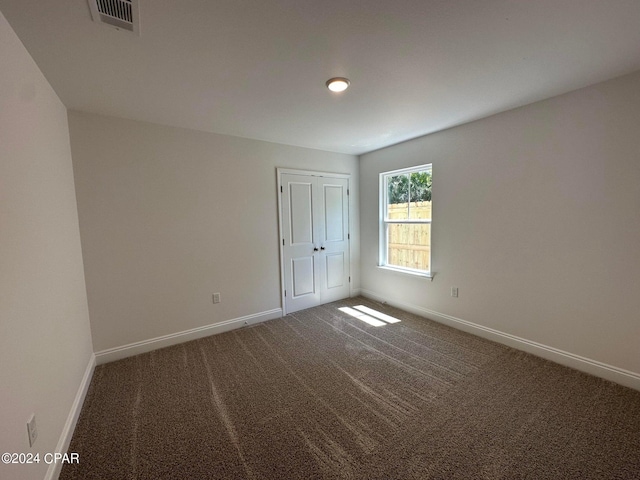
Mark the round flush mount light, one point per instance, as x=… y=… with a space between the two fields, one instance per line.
x=338 y=84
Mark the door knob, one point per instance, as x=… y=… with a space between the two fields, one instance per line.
x=315 y=249
x=321 y=248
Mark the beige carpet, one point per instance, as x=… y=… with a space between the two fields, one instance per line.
x=321 y=394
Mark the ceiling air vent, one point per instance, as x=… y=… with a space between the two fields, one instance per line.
x=121 y=14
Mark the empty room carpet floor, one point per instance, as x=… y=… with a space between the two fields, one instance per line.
x=323 y=394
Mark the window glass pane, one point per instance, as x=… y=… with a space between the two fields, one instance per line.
x=420 y=192
x=409 y=246
x=407 y=197
x=398 y=197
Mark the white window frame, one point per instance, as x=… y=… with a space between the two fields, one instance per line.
x=385 y=222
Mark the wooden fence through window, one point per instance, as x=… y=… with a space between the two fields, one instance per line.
x=409 y=245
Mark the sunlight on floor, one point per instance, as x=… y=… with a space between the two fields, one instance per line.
x=360 y=312
x=377 y=314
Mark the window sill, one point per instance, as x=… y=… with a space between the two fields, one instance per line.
x=406 y=271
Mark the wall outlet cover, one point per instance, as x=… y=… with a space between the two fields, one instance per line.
x=32 y=430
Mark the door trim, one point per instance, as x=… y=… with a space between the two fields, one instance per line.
x=311 y=173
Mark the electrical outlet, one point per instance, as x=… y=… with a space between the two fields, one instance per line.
x=32 y=430
x=216 y=298
x=454 y=292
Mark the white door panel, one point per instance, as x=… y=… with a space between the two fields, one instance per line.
x=300 y=213
x=303 y=276
x=315 y=249
x=333 y=213
x=334 y=265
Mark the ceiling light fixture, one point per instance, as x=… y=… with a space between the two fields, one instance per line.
x=338 y=84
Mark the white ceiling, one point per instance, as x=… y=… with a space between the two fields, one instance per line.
x=257 y=69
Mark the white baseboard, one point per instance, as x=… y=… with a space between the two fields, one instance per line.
x=67 y=431
x=355 y=292
x=145 y=346
x=587 y=365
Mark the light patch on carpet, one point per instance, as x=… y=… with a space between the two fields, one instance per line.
x=362 y=317
x=379 y=315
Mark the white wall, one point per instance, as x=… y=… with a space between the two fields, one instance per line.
x=536 y=220
x=45 y=340
x=169 y=216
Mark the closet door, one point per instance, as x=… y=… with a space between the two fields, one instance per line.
x=333 y=235
x=300 y=250
x=315 y=239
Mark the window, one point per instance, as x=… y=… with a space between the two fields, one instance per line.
x=405 y=220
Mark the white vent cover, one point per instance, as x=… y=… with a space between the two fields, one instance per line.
x=121 y=14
